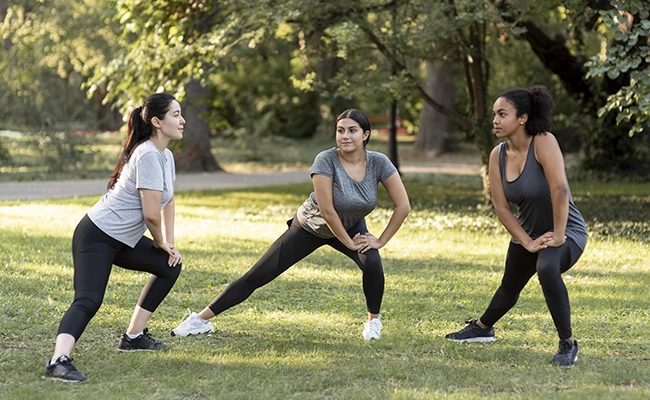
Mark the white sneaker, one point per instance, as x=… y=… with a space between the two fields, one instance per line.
x=193 y=325
x=372 y=329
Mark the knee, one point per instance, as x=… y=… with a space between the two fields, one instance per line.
x=372 y=263
x=176 y=271
x=547 y=273
x=89 y=304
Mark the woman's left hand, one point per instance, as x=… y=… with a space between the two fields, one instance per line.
x=556 y=241
x=367 y=241
x=175 y=257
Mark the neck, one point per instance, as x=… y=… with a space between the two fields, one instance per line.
x=161 y=144
x=520 y=142
x=354 y=157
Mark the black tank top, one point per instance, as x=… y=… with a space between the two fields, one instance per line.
x=532 y=195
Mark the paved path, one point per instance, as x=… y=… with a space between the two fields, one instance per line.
x=202 y=181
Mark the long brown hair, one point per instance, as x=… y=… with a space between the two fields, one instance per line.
x=140 y=128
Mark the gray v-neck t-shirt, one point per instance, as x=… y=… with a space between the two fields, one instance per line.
x=353 y=200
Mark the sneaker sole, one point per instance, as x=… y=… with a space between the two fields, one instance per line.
x=567 y=366
x=63 y=380
x=134 y=350
x=474 y=340
x=192 y=334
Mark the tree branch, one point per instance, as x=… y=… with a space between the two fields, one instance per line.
x=401 y=68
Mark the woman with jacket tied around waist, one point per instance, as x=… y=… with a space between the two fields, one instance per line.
x=140 y=197
x=345 y=183
x=548 y=232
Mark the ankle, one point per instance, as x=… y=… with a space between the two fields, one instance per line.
x=481 y=324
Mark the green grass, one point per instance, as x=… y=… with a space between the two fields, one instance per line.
x=300 y=336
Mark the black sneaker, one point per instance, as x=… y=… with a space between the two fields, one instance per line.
x=144 y=342
x=472 y=333
x=567 y=354
x=63 y=370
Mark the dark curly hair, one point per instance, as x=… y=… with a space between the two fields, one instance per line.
x=535 y=101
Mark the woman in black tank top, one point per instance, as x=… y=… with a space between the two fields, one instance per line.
x=548 y=233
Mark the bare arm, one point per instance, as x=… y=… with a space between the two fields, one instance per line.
x=167 y=214
x=504 y=213
x=549 y=155
x=398 y=195
x=323 y=191
x=153 y=218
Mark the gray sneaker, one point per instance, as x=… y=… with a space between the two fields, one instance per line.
x=63 y=370
x=472 y=333
x=567 y=354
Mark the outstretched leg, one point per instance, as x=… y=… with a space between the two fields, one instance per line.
x=294 y=245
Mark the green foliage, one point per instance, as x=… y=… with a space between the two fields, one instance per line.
x=58 y=155
x=630 y=54
x=253 y=95
x=50 y=49
x=300 y=336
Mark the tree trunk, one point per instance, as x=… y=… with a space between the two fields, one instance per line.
x=194 y=154
x=433 y=126
x=107 y=118
x=476 y=77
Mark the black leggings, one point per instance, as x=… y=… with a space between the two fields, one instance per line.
x=294 y=245
x=549 y=264
x=94 y=254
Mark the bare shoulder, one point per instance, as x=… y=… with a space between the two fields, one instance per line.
x=546 y=139
x=494 y=155
x=547 y=149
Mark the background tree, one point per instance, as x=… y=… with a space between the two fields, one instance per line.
x=629 y=55
x=609 y=143
x=434 y=128
x=50 y=49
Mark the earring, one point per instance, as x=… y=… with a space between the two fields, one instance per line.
x=521 y=123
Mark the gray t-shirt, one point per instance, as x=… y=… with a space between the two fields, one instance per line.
x=532 y=195
x=119 y=212
x=352 y=200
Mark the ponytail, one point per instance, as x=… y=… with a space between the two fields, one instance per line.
x=537 y=103
x=139 y=129
x=542 y=104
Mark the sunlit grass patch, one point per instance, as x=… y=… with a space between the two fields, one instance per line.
x=300 y=335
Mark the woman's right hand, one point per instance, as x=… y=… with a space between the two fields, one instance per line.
x=540 y=243
x=354 y=243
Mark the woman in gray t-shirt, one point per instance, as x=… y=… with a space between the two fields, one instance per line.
x=140 y=197
x=548 y=232
x=345 y=191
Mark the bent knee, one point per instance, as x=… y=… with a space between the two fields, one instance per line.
x=548 y=273
x=88 y=305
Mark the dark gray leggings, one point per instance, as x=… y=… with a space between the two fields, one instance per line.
x=549 y=264
x=294 y=245
x=94 y=254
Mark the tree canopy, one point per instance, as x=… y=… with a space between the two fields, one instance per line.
x=274 y=67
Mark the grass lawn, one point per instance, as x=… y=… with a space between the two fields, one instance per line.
x=300 y=336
